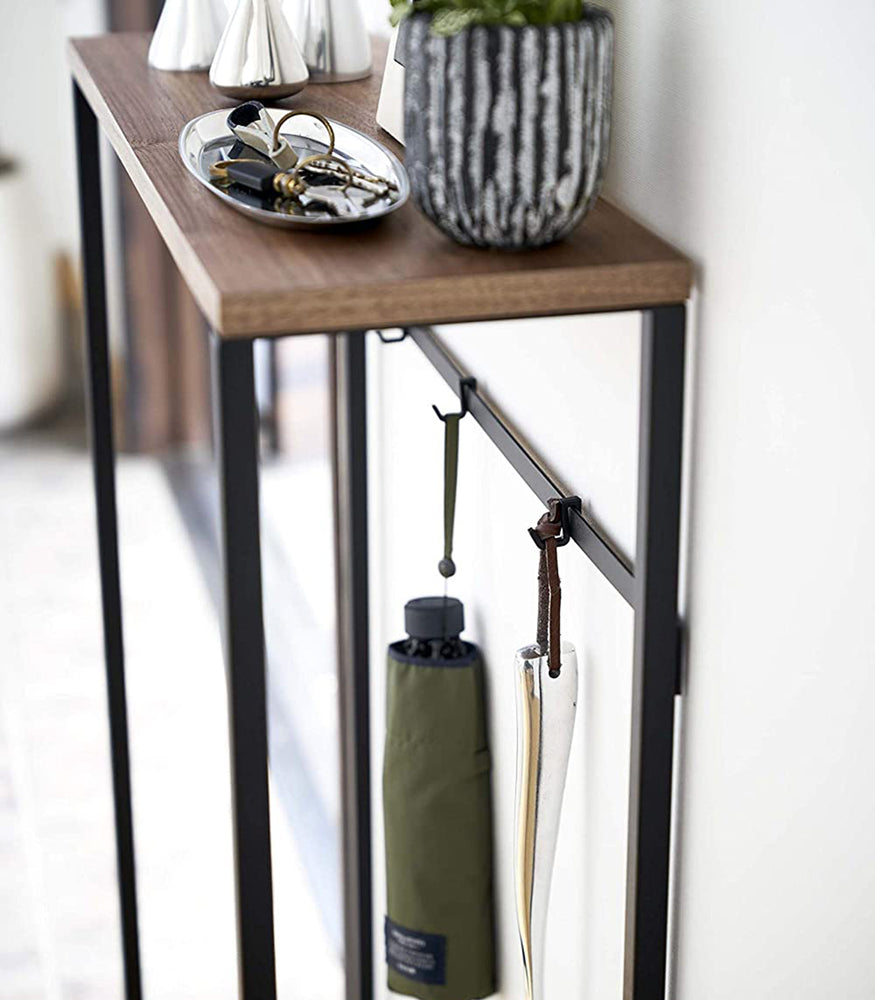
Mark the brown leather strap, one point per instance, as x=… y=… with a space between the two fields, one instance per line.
x=549 y=528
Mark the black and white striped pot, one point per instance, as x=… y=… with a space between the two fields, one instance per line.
x=507 y=128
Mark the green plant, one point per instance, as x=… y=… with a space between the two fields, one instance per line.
x=452 y=16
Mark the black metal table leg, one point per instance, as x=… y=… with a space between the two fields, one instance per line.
x=351 y=539
x=656 y=650
x=99 y=391
x=236 y=433
x=273 y=429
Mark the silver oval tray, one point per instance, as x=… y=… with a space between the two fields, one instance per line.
x=207 y=139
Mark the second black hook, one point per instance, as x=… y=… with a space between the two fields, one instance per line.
x=464 y=385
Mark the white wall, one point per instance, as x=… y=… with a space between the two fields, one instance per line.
x=745 y=133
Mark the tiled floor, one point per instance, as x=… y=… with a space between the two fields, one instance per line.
x=58 y=912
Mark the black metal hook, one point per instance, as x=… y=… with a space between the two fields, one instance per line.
x=464 y=385
x=566 y=505
x=392 y=340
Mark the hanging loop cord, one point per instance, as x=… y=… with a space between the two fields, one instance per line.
x=447 y=567
x=548 y=529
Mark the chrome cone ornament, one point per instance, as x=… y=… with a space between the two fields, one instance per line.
x=187 y=34
x=546 y=707
x=333 y=38
x=258 y=55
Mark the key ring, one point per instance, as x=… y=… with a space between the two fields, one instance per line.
x=309 y=114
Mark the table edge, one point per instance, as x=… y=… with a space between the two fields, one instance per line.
x=201 y=285
x=303 y=312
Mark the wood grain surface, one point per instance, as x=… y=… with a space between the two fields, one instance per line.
x=251 y=279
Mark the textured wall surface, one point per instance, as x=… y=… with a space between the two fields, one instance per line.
x=744 y=133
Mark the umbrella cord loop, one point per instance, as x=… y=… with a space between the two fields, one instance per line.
x=446 y=566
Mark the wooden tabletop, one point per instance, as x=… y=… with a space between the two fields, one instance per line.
x=253 y=279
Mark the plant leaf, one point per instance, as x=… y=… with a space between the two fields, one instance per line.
x=453 y=16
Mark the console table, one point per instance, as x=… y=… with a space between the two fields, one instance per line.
x=252 y=281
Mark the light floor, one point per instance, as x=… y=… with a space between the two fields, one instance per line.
x=58 y=910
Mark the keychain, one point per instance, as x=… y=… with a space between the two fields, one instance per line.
x=323 y=181
x=254 y=129
x=294 y=185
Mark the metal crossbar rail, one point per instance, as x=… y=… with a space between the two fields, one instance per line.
x=606 y=557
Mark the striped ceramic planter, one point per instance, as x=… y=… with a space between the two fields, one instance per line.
x=507 y=128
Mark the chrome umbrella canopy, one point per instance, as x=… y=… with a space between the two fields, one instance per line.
x=333 y=38
x=546 y=707
x=187 y=34
x=258 y=55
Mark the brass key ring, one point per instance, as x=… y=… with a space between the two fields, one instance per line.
x=309 y=114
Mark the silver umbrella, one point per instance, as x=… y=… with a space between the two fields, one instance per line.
x=546 y=699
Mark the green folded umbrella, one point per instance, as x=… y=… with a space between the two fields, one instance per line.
x=438 y=811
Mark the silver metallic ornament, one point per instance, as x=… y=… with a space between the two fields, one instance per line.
x=546 y=707
x=333 y=38
x=258 y=55
x=187 y=34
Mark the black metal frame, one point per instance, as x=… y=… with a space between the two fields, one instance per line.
x=97 y=377
x=235 y=422
x=650 y=586
x=349 y=392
